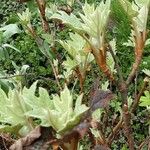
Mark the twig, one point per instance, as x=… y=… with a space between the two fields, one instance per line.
x=115 y=131
x=137 y=99
x=4 y=142
x=100 y=125
x=115 y=58
x=81 y=78
x=46 y=79
x=146 y=141
x=134 y=70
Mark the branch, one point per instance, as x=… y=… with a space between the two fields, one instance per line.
x=127 y=126
x=55 y=73
x=123 y=89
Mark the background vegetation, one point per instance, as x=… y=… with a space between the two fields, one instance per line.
x=26 y=51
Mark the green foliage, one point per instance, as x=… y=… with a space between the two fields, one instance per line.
x=8 y=11
x=145 y=100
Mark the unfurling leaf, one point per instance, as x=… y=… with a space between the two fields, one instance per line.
x=92 y=22
x=70 y=20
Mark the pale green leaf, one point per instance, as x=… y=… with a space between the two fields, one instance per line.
x=59 y=112
x=147 y=72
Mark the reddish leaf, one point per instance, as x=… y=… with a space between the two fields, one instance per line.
x=99 y=98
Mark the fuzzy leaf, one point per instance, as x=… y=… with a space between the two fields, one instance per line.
x=95 y=21
x=57 y=112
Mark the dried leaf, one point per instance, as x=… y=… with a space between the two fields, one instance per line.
x=44 y=142
x=31 y=137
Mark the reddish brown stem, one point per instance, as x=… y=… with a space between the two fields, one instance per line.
x=139 y=46
x=126 y=115
x=101 y=61
x=134 y=69
x=127 y=127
